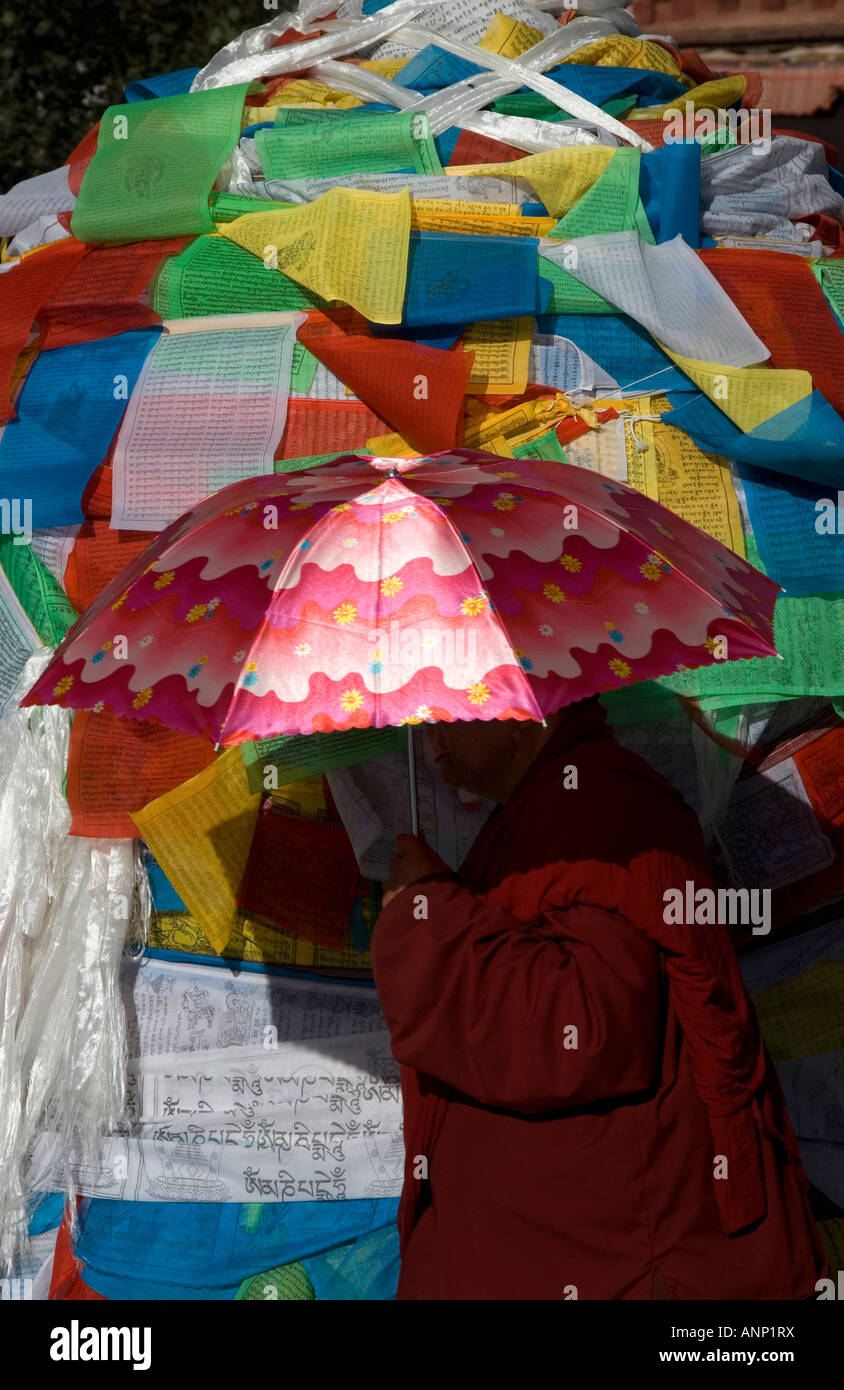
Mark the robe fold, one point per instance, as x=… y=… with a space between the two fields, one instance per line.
x=589 y=1109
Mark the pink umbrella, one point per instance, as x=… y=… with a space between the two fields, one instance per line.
x=373 y=592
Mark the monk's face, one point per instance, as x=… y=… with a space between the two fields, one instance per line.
x=472 y=754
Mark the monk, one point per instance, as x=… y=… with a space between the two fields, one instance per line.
x=589 y=1110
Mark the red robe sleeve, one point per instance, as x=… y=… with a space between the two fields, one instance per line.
x=556 y=1013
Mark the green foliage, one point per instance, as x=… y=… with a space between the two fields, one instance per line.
x=63 y=64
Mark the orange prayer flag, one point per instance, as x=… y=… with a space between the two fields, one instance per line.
x=417 y=389
x=327 y=427
x=115 y=766
x=24 y=287
x=99 y=553
x=785 y=306
x=100 y=296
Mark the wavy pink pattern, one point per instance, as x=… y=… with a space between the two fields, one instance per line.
x=374 y=592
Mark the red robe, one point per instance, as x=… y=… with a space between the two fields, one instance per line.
x=575 y=1071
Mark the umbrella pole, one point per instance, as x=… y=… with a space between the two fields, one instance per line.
x=411 y=769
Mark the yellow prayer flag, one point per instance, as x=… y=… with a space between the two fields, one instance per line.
x=391 y=446
x=201 y=833
x=509 y=37
x=621 y=51
x=803 y=1016
x=709 y=96
x=472 y=219
x=697 y=486
x=304 y=92
x=502 y=356
x=747 y=395
x=385 y=67
x=348 y=245
x=560 y=177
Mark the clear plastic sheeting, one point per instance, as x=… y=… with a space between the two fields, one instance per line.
x=66 y=906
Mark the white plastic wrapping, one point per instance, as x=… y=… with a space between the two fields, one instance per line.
x=66 y=905
x=462 y=99
x=247 y=58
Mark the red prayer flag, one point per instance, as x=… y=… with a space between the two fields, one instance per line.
x=100 y=296
x=23 y=290
x=786 y=307
x=417 y=389
x=301 y=876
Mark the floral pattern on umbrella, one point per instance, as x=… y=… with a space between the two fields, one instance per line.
x=372 y=592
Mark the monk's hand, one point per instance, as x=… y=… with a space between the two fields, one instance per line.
x=413 y=859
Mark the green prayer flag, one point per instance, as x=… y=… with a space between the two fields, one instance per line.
x=349 y=145
x=830 y=277
x=569 y=295
x=610 y=205
x=155 y=165
x=288 y=1282
x=296 y=756
x=548 y=447
x=216 y=276
x=43 y=600
x=226 y=207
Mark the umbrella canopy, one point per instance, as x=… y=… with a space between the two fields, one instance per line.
x=372 y=592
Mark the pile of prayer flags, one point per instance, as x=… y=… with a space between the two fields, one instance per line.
x=321 y=243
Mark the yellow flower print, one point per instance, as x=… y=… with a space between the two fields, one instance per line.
x=63 y=686
x=123 y=597
x=142 y=698
x=350 y=701
x=504 y=502
x=342 y=507
x=571 y=563
x=712 y=645
x=506 y=475
x=345 y=613
x=198 y=611
x=164 y=579
x=619 y=667
x=251 y=666
x=390 y=517
x=553 y=592
x=300 y=506
x=473 y=605
x=391 y=586
x=478 y=694
x=650 y=570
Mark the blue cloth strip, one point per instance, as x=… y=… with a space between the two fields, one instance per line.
x=71 y=404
